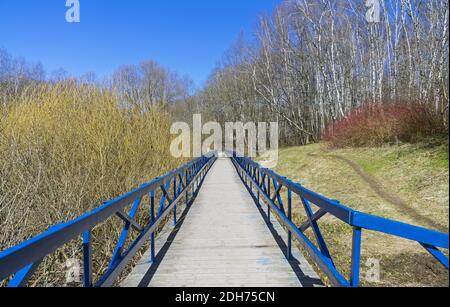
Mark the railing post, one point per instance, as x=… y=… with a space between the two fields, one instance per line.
x=245 y=178
x=246 y=174
x=268 y=207
x=249 y=173
x=152 y=222
x=356 y=257
x=174 y=198
x=194 y=186
x=190 y=189
x=257 y=189
x=187 y=189
x=87 y=259
x=196 y=182
x=289 y=245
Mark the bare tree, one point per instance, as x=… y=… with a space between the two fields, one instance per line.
x=313 y=62
x=149 y=84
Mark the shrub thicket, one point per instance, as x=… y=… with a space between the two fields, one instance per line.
x=378 y=124
x=65 y=149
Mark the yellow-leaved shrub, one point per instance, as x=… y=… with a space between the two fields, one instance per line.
x=64 y=150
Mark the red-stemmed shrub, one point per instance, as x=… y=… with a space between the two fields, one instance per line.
x=378 y=124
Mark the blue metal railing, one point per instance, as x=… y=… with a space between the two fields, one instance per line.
x=21 y=261
x=267 y=185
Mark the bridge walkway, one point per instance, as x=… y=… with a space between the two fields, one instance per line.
x=222 y=240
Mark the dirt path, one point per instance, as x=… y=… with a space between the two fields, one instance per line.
x=385 y=194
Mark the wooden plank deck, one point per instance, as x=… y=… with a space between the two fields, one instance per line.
x=222 y=240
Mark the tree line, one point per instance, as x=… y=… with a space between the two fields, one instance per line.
x=142 y=86
x=309 y=64
x=312 y=62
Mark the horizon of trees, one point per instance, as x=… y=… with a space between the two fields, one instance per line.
x=313 y=62
x=310 y=64
x=140 y=86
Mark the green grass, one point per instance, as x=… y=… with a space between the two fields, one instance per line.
x=416 y=175
x=429 y=155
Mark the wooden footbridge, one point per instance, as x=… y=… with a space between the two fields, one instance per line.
x=221 y=222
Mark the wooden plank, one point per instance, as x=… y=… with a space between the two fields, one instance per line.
x=223 y=241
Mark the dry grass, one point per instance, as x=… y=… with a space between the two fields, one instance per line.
x=416 y=174
x=65 y=149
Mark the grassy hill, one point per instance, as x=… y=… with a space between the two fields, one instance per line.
x=409 y=183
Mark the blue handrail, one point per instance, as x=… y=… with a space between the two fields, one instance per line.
x=266 y=184
x=22 y=261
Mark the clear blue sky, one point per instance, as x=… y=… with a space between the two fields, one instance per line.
x=188 y=36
